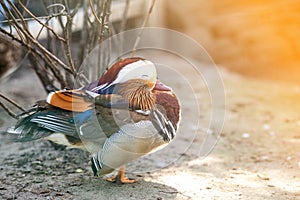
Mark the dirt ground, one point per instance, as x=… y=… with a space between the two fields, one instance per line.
x=256 y=157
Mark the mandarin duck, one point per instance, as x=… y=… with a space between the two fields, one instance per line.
x=124 y=115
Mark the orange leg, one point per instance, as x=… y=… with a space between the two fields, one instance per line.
x=120 y=178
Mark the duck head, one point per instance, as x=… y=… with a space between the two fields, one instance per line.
x=133 y=79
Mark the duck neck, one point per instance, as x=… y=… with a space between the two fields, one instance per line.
x=138 y=94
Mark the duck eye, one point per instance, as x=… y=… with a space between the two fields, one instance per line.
x=145 y=76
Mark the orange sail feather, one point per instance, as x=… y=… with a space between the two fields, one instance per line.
x=72 y=100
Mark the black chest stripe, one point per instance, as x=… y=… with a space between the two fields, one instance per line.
x=163 y=126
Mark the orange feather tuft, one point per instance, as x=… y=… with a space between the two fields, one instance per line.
x=72 y=100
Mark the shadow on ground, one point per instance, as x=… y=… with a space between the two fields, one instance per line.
x=37 y=170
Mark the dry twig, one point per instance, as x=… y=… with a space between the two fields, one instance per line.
x=54 y=62
x=137 y=41
x=7 y=109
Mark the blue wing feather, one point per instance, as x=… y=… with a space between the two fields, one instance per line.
x=43 y=123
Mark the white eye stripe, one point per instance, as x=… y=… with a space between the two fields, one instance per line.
x=142 y=69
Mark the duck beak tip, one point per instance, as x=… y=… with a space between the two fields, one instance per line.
x=161 y=87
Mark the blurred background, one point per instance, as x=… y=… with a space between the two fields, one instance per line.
x=259 y=38
x=260 y=138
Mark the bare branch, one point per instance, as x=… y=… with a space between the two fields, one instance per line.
x=94 y=12
x=137 y=41
x=13 y=22
x=125 y=14
x=84 y=34
x=12 y=102
x=54 y=62
x=67 y=44
x=7 y=109
x=46 y=54
x=14 y=8
x=42 y=55
x=40 y=22
x=43 y=74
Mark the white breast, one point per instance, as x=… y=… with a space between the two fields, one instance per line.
x=130 y=143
